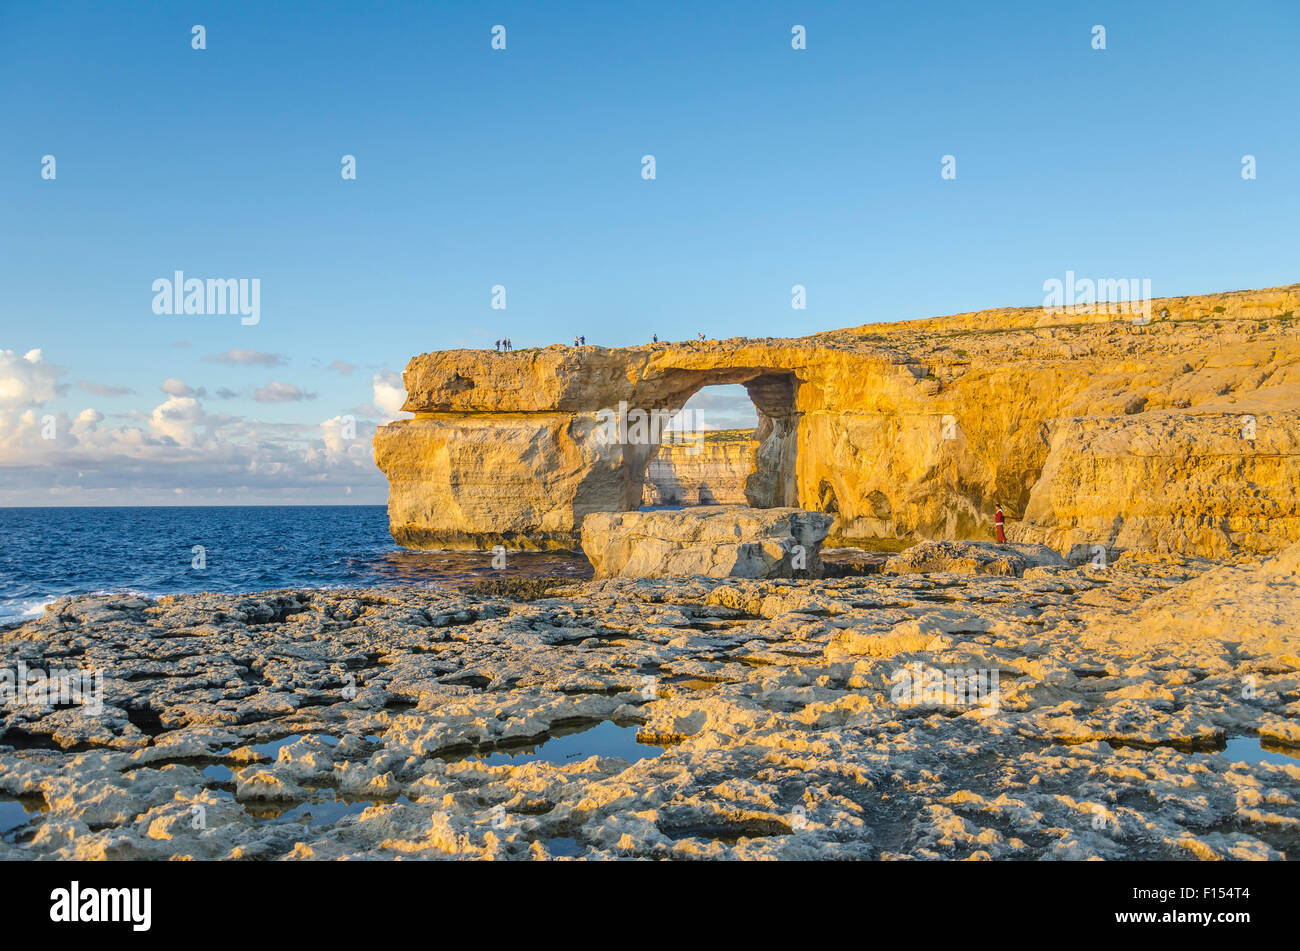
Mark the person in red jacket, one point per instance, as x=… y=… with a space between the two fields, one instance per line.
x=997 y=525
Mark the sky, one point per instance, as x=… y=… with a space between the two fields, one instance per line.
x=523 y=168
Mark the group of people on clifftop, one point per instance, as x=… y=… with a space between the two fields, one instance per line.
x=504 y=345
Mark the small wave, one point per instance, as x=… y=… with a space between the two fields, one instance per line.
x=24 y=609
x=128 y=593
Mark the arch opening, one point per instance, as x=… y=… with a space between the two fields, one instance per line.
x=735 y=443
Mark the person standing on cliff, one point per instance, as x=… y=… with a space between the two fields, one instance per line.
x=998 y=521
x=656 y=337
x=498 y=346
x=583 y=338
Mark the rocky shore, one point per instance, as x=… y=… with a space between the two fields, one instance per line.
x=1118 y=713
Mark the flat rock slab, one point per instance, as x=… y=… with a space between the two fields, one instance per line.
x=717 y=541
x=1007 y=560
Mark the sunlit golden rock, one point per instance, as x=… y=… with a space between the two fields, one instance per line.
x=1089 y=428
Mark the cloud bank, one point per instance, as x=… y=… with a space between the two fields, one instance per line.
x=180 y=451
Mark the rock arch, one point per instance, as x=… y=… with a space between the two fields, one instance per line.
x=901 y=431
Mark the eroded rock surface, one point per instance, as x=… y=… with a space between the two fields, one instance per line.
x=1180 y=435
x=328 y=724
x=718 y=541
x=974 y=558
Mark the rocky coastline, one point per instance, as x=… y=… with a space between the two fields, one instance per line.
x=1146 y=709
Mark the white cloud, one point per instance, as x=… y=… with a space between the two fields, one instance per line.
x=87 y=420
x=725 y=406
x=176 y=420
x=275 y=392
x=27 y=380
x=390 y=394
x=173 y=386
x=347 y=438
x=146 y=456
x=248 y=358
x=105 y=389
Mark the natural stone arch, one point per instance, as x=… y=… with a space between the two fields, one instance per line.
x=915 y=428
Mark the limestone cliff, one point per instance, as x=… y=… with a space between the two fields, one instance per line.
x=1180 y=434
x=705 y=469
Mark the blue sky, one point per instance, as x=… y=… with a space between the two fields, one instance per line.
x=522 y=167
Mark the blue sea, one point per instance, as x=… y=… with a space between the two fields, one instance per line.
x=46 y=553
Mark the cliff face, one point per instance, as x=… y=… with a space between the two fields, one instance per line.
x=1180 y=434
x=712 y=472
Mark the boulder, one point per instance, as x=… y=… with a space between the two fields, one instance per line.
x=974 y=558
x=719 y=541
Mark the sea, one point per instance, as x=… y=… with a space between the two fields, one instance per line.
x=46 y=553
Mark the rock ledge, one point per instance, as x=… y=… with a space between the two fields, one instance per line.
x=718 y=541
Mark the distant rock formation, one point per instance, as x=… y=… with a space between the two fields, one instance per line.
x=718 y=541
x=1181 y=434
x=708 y=468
